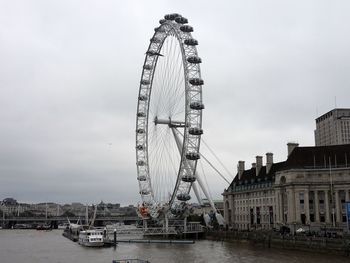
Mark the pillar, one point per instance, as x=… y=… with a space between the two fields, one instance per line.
x=347 y=195
x=226 y=208
x=291 y=206
x=297 y=207
x=307 y=206
x=277 y=205
x=326 y=200
x=337 y=207
x=316 y=209
x=232 y=205
x=281 y=207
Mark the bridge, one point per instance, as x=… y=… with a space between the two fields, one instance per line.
x=10 y=221
x=174 y=228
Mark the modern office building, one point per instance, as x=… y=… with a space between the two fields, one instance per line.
x=333 y=128
x=309 y=189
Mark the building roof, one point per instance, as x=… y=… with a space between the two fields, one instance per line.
x=319 y=157
x=330 y=113
x=313 y=157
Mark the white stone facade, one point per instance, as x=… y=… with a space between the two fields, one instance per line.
x=312 y=197
x=250 y=209
x=309 y=189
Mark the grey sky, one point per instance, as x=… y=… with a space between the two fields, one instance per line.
x=69 y=75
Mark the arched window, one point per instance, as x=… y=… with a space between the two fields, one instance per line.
x=283 y=180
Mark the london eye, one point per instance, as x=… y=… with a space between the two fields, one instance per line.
x=169 y=120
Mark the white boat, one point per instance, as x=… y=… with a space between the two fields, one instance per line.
x=63 y=226
x=91 y=238
x=130 y=261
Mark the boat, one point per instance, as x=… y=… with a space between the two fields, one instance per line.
x=22 y=226
x=72 y=231
x=135 y=260
x=91 y=238
x=63 y=226
x=82 y=233
x=44 y=227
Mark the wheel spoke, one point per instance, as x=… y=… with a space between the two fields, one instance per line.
x=168 y=100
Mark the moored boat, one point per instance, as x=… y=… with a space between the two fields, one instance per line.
x=91 y=238
x=132 y=260
x=44 y=227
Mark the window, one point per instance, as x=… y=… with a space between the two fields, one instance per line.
x=312 y=217
x=322 y=218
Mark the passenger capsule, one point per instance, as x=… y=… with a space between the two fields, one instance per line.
x=192 y=156
x=196 y=81
x=181 y=20
x=176 y=211
x=144 y=192
x=159 y=30
x=140 y=131
x=194 y=59
x=141 y=163
x=191 y=42
x=195 y=131
x=171 y=16
x=183 y=197
x=142 y=97
x=162 y=21
x=186 y=28
x=148 y=67
x=145 y=82
x=196 y=105
x=155 y=40
x=141 y=114
x=142 y=178
x=188 y=178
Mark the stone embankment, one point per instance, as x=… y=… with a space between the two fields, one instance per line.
x=268 y=239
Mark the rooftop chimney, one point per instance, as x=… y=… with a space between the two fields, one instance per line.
x=291 y=147
x=240 y=169
x=258 y=164
x=269 y=162
x=253 y=165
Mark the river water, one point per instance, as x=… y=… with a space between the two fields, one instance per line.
x=32 y=246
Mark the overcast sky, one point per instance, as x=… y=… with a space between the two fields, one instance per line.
x=70 y=71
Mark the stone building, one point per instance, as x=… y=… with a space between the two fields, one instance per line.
x=333 y=128
x=309 y=189
x=10 y=206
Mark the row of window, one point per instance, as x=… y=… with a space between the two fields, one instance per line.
x=261 y=219
x=245 y=208
x=254 y=194
x=253 y=186
x=255 y=201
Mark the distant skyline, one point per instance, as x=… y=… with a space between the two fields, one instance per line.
x=70 y=72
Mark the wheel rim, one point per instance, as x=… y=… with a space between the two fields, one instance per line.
x=169 y=106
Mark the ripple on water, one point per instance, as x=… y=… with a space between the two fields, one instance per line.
x=32 y=246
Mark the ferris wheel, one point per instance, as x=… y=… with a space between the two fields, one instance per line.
x=169 y=120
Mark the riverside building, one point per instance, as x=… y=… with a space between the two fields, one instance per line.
x=309 y=189
x=333 y=128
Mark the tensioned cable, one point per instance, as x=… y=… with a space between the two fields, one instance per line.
x=212 y=166
x=166 y=83
x=160 y=104
x=216 y=170
x=206 y=181
x=213 y=153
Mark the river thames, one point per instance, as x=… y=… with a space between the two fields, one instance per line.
x=32 y=246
